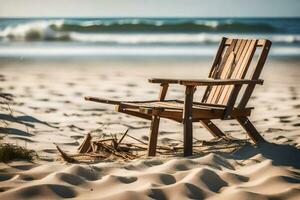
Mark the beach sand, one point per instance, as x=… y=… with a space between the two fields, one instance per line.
x=49 y=108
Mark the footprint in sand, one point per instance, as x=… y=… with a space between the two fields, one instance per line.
x=110 y=90
x=270 y=130
x=293 y=93
x=285 y=121
x=2 y=78
x=297 y=106
x=41 y=86
x=296 y=124
x=131 y=85
x=70 y=84
x=279 y=137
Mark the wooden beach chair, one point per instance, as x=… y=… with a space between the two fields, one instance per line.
x=231 y=66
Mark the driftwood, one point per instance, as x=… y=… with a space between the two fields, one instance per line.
x=123 y=136
x=105 y=148
x=65 y=156
x=85 y=146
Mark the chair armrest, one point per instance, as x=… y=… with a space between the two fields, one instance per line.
x=163 y=80
x=208 y=82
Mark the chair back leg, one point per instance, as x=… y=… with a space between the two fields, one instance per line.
x=250 y=129
x=212 y=128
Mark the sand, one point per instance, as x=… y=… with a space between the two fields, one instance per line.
x=49 y=108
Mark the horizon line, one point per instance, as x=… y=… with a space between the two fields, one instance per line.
x=149 y=17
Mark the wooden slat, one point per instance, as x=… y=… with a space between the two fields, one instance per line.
x=212 y=90
x=102 y=100
x=203 y=104
x=172 y=115
x=241 y=72
x=198 y=82
x=228 y=72
x=225 y=57
x=239 y=58
x=197 y=114
x=220 y=53
x=243 y=68
x=225 y=67
x=175 y=105
x=218 y=56
x=256 y=73
x=114 y=102
x=215 y=68
x=163 y=80
x=228 y=89
x=260 y=42
x=218 y=89
x=131 y=112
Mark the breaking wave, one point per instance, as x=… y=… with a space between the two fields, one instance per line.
x=138 y=31
x=34 y=31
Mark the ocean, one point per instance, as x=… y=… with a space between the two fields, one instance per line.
x=139 y=37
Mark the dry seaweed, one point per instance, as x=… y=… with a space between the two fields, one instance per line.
x=108 y=147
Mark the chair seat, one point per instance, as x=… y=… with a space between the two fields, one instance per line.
x=173 y=109
x=170 y=105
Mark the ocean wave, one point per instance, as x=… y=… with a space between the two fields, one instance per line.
x=163 y=27
x=134 y=31
x=59 y=29
x=34 y=31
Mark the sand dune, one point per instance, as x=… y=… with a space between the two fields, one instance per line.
x=48 y=107
x=211 y=177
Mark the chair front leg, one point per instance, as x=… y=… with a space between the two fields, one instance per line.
x=155 y=121
x=188 y=121
x=153 y=135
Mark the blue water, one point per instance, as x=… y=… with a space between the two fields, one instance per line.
x=83 y=37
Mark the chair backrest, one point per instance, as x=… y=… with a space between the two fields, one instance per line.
x=232 y=61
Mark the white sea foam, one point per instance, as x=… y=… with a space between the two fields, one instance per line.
x=38 y=30
x=145 y=38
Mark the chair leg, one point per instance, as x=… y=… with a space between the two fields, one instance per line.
x=212 y=128
x=153 y=135
x=250 y=129
x=188 y=122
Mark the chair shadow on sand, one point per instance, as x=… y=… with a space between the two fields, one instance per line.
x=280 y=154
